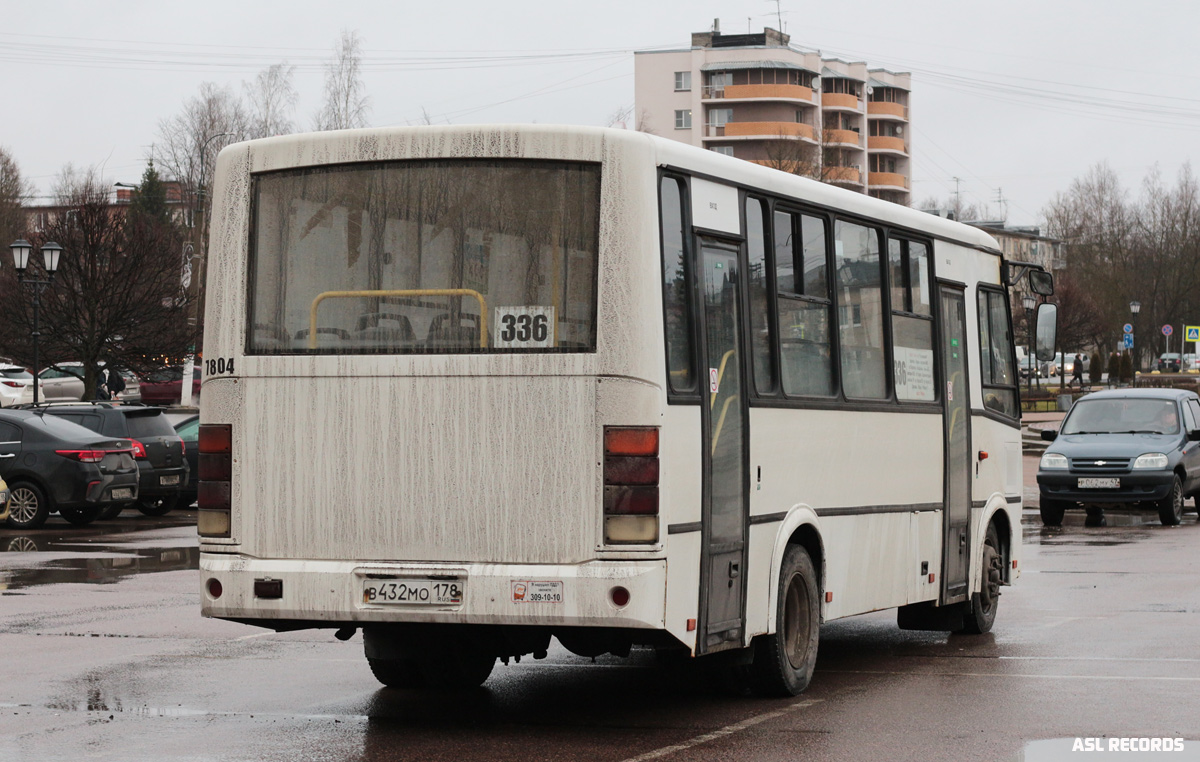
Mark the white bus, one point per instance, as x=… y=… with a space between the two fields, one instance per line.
x=468 y=388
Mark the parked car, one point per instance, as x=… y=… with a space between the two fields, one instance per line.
x=51 y=464
x=157 y=449
x=1169 y=362
x=1189 y=364
x=1064 y=364
x=189 y=431
x=3 y=501
x=162 y=387
x=63 y=382
x=16 y=386
x=1123 y=446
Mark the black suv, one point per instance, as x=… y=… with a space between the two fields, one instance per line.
x=163 y=470
x=54 y=465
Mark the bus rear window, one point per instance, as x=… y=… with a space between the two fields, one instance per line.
x=425 y=257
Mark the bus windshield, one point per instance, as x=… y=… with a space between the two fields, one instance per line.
x=408 y=257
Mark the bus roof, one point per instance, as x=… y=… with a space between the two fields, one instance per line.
x=349 y=146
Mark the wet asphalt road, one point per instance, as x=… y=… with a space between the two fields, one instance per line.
x=106 y=657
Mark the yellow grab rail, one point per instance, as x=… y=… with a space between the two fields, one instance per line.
x=312 y=311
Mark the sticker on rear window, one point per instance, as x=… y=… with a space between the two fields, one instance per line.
x=524 y=327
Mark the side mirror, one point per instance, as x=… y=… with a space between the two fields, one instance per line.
x=1194 y=436
x=1049 y=434
x=1046 y=331
x=1041 y=282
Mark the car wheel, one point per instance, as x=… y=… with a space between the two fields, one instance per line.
x=113 y=510
x=158 y=506
x=1052 y=512
x=981 y=609
x=29 y=506
x=81 y=516
x=784 y=660
x=1170 y=508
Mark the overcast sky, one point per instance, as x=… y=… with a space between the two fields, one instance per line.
x=1014 y=98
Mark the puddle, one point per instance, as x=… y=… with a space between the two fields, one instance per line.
x=104 y=555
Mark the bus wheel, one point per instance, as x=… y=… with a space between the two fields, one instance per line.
x=456 y=667
x=981 y=609
x=784 y=660
x=396 y=673
x=1052 y=512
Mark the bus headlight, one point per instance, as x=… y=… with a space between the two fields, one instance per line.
x=1053 y=460
x=1151 y=460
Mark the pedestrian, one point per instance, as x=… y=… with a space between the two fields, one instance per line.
x=115 y=383
x=102 y=386
x=1077 y=370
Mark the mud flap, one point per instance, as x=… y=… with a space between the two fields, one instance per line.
x=927 y=616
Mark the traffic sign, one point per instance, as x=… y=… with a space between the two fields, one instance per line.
x=1167 y=330
x=1129 y=341
x=1191 y=332
x=1129 y=328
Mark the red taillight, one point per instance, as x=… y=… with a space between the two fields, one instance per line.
x=631 y=474
x=13 y=384
x=139 y=449
x=628 y=440
x=183 y=446
x=83 y=456
x=216 y=437
x=215 y=488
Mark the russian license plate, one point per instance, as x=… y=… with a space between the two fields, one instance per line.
x=168 y=481
x=413 y=592
x=1099 y=484
x=122 y=493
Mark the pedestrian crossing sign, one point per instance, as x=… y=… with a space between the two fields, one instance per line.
x=1191 y=333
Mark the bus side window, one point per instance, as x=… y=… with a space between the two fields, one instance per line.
x=860 y=314
x=912 y=321
x=759 y=296
x=803 y=303
x=680 y=371
x=997 y=374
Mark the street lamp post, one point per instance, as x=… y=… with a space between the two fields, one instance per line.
x=1029 y=302
x=51 y=252
x=1134 y=309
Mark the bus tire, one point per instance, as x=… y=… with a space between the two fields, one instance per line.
x=400 y=674
x=784 y=660
x=1052 y=512
x=980 y=611
x=457 y=667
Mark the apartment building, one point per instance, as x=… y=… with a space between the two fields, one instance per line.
x=758 y=97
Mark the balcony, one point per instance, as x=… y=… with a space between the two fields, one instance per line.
x=887 y=144
x=759 y=92
x=887 y=181
x=845 y=175
x=843 y=137
x=759 y=130
x=887 y=109
x=841 y=101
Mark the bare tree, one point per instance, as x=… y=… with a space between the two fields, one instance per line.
x=821 y=159
x=14 y=189
x=346 y=103
x=631 y=118
x=116 y=297
x=270 y=101
x=186 y=149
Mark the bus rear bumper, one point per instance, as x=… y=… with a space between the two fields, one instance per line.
x=329 y=593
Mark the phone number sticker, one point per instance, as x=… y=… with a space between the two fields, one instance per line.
x=537 y=591
x=524 y=327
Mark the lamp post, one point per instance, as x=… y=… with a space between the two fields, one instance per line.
x=1029 y=302
x=1134 y=309
x=51 y=252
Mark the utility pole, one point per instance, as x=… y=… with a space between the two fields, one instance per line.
x=957 y=200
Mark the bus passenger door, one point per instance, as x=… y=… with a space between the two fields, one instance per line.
x=956 y=550
x=724 y=417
